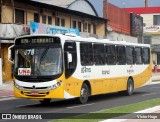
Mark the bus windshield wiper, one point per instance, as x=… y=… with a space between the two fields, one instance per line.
x=43 y=55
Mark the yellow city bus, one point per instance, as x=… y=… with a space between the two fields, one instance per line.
x=68 y=66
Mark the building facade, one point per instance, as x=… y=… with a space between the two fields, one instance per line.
x=151 y=29
x=119 y=23
x=15 y=17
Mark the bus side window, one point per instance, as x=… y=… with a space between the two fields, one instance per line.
x=138 y=55
x=86 y=54
x=110 y=54
x=146 y=55
x=70 y=57
x=130 y=55
x=121 y=55
x=99 y=54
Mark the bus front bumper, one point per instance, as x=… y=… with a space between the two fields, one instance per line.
x=39 y=94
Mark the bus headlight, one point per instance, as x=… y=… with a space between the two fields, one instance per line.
x=17 y=86
x=55 y=85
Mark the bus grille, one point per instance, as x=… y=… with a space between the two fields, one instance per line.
x=30 y=88
x=35 y=93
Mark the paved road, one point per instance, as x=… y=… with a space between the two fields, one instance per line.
x=96 y=103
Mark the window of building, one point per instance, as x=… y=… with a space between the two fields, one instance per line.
x=74 y=24
x=99 y=54
x=138 y=55
x=36 y=18
x=49 y=20
x=44 y=19
x=57 y=21
x=86 y=53
x=94 y=29
x=63 y=22
x=85 y=27
x=121 y=55
x=130 y=55
x=156 y=19
x=111 y=54
x=146 y=55
x=19 y=16
x=89 y=28
x=79 y=26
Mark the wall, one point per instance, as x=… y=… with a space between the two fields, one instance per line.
x=6 y=14
x=119 y=19
x=100 y=30
x=148 y=19
x=7 y=66
x=121 y=37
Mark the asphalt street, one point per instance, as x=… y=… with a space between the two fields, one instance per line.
x=67 y=108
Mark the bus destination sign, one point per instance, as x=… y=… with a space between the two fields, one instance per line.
x=42 y=40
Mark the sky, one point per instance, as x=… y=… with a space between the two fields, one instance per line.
x=123 y=4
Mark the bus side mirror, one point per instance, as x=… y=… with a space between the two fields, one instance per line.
x=11 y=54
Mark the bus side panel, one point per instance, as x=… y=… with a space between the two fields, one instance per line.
x=143 y=77
x=121 y=83
x=73 y=86
x=96 y=86
x=108 y=85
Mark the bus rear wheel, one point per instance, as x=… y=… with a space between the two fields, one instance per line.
x=84 y=94
x=45 y=101
x=130 y=87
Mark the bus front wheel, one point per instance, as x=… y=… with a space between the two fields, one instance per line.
x=45 y=101
x=84 y=94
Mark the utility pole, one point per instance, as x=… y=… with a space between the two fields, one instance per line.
x=146 y=3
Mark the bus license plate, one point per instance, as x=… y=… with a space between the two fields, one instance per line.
x=34 y=93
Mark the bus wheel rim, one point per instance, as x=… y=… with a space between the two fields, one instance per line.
x=83 y=93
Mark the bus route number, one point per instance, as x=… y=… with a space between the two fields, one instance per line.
x=29 y=52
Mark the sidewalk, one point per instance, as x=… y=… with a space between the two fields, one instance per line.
x=6 y=89
x=156 y=76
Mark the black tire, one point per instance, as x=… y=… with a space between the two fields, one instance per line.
x=45 y=101
x=84 y=94
x=130 y=87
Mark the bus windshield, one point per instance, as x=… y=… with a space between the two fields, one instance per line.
x=38 y=61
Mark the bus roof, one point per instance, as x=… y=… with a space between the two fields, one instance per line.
x=90 y=39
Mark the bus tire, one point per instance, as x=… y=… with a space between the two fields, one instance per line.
x=45 y=101
x=130 y=87
x=84 y=94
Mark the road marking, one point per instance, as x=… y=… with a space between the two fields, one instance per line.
x=149 y=94
x=81 y=105
x=7 y=98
